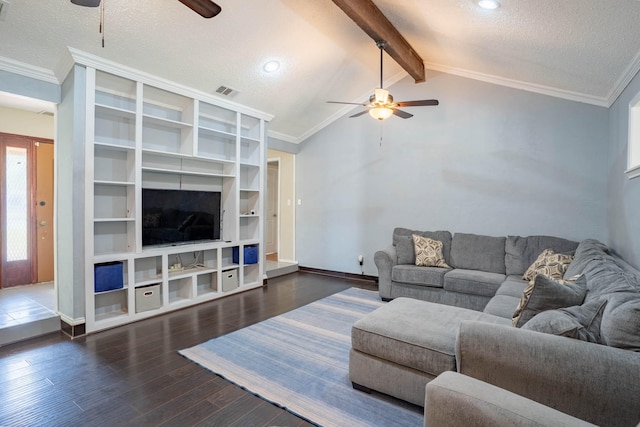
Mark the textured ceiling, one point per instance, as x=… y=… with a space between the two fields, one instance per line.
x=578 y=49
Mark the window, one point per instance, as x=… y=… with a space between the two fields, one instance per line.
x=633 y=156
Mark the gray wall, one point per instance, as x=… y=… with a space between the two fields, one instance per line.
x=70 y=171
x=30 y=87
x=623 y=194
x=488 y=160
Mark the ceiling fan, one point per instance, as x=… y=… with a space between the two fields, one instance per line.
x=381 y=105
x=205 y=8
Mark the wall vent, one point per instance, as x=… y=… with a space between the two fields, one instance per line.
x=227 y=91
x=4 y=9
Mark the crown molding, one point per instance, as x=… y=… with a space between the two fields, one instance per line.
x=64 y=67
x=27 y=70
x=282 y=137
x=625 y=78
x=89 y=60
x=517 y=84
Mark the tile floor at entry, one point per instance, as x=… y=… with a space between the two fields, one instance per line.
x=27 y=311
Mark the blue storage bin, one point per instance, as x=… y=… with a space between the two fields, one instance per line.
x=108 y=276
x=250 y=255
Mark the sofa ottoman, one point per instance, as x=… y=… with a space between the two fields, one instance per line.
x=398 y=348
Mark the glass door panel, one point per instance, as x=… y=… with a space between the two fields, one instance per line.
x=17 y=263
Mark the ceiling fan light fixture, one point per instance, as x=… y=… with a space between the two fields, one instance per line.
x=381 y=113
x=381 y=96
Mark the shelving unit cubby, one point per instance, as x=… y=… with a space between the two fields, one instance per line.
x=143 y=132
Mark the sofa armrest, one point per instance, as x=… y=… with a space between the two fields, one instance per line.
x=453 y=399
x=589 y=381
x=385 y=260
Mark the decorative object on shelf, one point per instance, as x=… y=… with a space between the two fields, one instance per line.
x=381 y=105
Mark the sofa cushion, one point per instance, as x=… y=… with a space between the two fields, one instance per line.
x=406 y=255
x=550 y=264
x=605 y=277
x=587 y=250
x=428 y=252
x=544 y=294
x=620 y=325
x=473 y=282
x=423 y=276
x=477 y=252
x=555 y=322
x=589 y=315
x=513 y=286
x=416 y=334
x=502 y=305
x=405 y=250
x=521 y=252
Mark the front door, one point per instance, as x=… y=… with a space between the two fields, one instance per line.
x=17 y=216
x=44 y=210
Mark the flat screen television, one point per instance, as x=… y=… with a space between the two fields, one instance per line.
x=179 y=216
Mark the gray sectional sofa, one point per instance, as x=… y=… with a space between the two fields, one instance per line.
x=481 y=266
x=575 y=362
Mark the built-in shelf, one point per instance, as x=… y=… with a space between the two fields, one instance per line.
x=142 y=134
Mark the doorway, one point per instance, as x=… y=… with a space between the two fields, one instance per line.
x=273 y=195
x=26 y=210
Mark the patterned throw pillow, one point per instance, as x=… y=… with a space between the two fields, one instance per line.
x=550 y=264
x=428 y=252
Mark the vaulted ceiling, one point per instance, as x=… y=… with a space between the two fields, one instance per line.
x=585 y=50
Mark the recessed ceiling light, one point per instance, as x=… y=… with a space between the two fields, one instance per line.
x=489 y=4
x=271 y=66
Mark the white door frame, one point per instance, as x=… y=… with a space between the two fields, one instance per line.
x=276 y=160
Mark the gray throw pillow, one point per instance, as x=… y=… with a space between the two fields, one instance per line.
x=589 y=315
x=620 y=326
x=555 y=322
x=547 y=294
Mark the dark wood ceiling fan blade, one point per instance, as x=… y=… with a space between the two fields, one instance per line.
x=421 y=103
x=346 y=103
x=402 y=114
x=86 y=3
x=204 y=8
x=359 y=114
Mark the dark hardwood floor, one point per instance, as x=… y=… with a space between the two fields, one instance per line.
x=133 y=375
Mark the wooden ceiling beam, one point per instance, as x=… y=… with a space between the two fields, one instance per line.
x=368 y=17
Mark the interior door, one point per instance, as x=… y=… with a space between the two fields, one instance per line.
x=44 y=210
x=272 y=207
x=17 y=219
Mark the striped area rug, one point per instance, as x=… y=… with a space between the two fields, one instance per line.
x=300 y=361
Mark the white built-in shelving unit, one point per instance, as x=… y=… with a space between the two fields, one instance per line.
x=140 y=134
